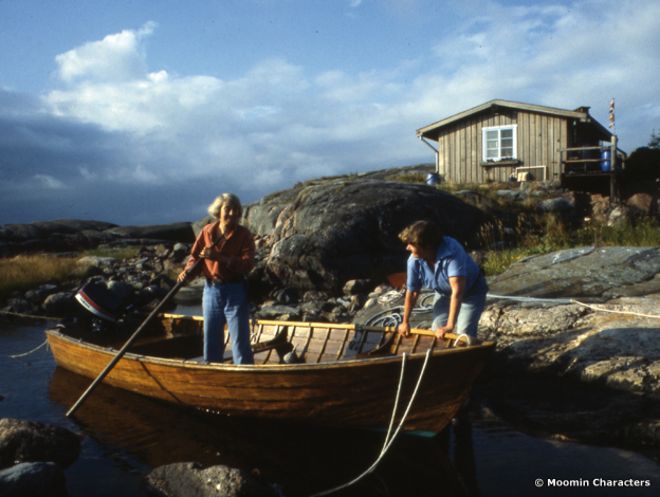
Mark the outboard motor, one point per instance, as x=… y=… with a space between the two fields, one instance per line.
x=108 y=307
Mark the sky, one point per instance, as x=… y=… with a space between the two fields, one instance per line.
x=141 y=112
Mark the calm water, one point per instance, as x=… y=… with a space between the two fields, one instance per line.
x=126 y=435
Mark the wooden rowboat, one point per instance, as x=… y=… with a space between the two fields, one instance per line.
x=343 y=374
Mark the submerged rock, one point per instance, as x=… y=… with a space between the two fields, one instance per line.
x=23 y=441
x=187 y=479
x=33 y=479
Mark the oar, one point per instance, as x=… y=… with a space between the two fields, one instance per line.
x=132 y=338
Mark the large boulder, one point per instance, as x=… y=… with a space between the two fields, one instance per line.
x=583 y=272
x=571 y=365
x=324 y=233
x=31 y=441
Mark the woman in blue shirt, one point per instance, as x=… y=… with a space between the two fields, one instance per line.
x=440 y=262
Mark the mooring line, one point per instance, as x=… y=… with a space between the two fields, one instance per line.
x=28 y=316
x=597 y=308
x=24 y=354
x=388 y=443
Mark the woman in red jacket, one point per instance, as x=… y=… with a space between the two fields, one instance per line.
x=228 y=252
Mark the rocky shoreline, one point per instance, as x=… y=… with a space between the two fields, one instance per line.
x=577 y=331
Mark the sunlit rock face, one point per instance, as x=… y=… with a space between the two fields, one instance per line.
x=324 y=233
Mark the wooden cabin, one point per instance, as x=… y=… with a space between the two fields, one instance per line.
x=502 y=140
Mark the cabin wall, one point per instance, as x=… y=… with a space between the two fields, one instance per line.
x=540 y=138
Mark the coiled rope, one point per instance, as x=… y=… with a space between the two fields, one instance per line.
x=389 y=437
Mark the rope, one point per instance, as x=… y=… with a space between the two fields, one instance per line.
x=570 y=301
x=396 y=401
x=602 y=309
x=388 y=441
x=529 y=299
x=16 y=356
x=28 y=316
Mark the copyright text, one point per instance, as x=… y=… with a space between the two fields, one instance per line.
x=594 y=482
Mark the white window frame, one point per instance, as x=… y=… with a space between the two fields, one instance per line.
x=484 y=142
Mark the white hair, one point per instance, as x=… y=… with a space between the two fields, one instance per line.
x=224 y=199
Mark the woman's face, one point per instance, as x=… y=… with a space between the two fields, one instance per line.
x=229 y=215
x=419 y=252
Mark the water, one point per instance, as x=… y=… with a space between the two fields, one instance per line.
x=126 y=435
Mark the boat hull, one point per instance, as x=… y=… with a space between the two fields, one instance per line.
x=357 y=392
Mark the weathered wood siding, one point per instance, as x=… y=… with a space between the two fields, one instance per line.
x=540 y=137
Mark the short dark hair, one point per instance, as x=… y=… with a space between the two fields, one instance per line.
x=425 y=234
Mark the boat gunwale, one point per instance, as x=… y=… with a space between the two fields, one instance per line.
x=254 y=368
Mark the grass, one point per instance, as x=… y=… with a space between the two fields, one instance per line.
x=412 y=177
x=117 y=253
x=23 y=272
x=551 y=234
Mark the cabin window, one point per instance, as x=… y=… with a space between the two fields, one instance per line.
x=499 y=143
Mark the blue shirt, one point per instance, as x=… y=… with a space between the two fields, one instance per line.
x=451 y=260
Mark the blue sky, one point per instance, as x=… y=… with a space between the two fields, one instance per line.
x=140 y=112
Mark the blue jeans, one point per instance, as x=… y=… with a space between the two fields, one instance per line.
x=226 y=303
x=472 y=307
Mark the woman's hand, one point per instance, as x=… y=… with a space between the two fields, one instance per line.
x=213 y=255
x=207 y=253
x=182 y=276
x=404 y=329
x=440 y=332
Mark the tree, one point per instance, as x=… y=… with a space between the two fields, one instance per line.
x=642 y=172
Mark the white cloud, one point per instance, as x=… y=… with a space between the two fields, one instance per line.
x=563 y=56
x=278 y=123
x=117 y=57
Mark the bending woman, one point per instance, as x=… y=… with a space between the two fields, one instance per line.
x=228 y=252
x=440 y=262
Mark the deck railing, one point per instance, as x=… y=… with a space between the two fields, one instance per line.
x=592 y=164
x=601 y=159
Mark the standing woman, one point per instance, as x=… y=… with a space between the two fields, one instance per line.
x=440 y=262
x=228 y=252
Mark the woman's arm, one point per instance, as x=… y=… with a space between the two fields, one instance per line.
x=408 y=305
x=196 y=252
x=457 y=284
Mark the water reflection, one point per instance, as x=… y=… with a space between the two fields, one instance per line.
x=302 y=459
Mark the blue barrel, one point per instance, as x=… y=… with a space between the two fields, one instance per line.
x=432 y=179
x=605 y=160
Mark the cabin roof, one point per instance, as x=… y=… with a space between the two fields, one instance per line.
x=581 y=113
